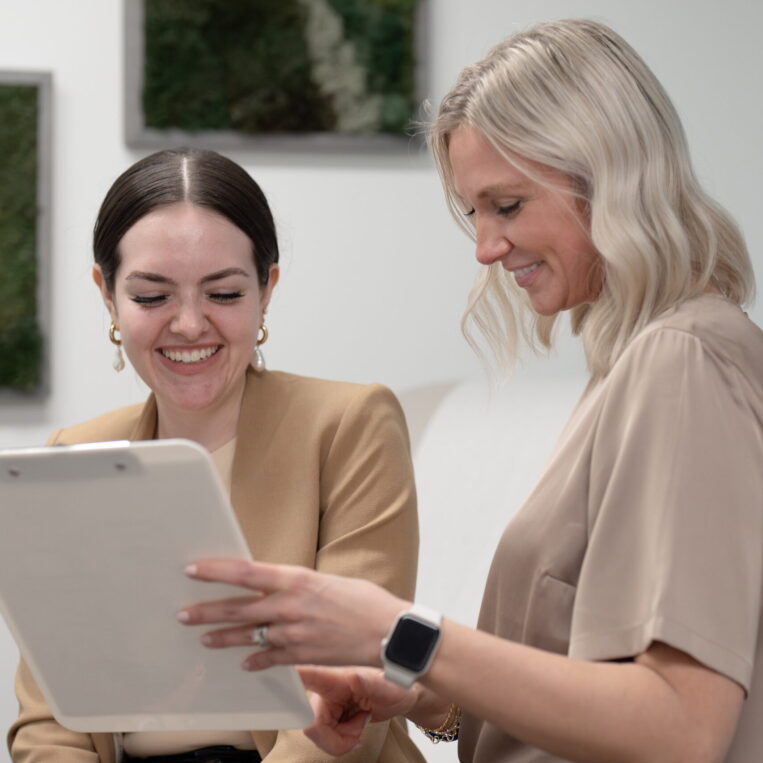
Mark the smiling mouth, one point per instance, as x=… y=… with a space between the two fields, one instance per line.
x=190 y=356
x=525 y=271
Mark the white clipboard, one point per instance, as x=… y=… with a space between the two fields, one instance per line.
x=93 y=543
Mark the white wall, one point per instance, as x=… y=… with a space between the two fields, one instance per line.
x=375 y=273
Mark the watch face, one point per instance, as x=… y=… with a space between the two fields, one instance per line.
x=411 y=644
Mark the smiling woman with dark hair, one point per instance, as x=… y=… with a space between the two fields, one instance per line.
x=319 y=472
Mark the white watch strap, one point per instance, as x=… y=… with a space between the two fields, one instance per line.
x=398 y=675
x=425 y=613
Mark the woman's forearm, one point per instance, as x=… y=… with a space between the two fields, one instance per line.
x=663 y=708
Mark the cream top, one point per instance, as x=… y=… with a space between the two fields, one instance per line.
x=146 y=743
x=648 y=522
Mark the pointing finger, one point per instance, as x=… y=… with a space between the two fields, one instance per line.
x=257 y=576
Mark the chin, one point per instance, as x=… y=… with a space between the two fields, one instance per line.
x=546 y=310
x=193 y=399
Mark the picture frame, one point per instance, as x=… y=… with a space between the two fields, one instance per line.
x=151 y=126
x=25 y=237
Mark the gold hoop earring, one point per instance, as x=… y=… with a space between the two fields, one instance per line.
x=113 y=335
x=258 y=359
x=119 y=358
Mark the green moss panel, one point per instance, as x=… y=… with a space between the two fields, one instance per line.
x=20 y=338
x=245 y=65
x=383 y=33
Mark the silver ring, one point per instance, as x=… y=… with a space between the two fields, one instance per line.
x=260 y=637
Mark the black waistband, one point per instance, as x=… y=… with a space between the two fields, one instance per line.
x=219 y=754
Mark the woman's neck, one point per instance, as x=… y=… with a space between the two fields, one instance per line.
x=210 y=427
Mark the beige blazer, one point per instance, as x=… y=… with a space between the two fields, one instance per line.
x=322 y=477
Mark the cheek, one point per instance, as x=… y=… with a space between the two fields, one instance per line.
x=586 y=276
x=137 y=336
x=138 y=326
x=240 y=326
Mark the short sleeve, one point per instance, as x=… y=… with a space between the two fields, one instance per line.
x=675 y=510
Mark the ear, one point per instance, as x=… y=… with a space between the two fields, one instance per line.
x=274 y=273
x=106 y=295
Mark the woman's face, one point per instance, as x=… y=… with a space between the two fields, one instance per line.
x=188 y=305
x=537 y=231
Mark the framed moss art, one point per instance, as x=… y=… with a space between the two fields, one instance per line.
x=24 y=231
x=283 y=73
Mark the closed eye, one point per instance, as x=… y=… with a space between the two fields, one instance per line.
x=148 y=301
x=509 y=210
x=503 y=211
x=230 y=296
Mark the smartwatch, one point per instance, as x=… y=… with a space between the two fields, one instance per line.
x=409 y=649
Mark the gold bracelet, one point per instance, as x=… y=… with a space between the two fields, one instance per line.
x=448 y=730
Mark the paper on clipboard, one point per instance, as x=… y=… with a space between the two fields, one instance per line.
x=93 y=542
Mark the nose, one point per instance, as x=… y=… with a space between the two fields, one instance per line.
x=190 y=320
x=492 y=244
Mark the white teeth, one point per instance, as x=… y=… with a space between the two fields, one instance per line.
x=524 y=271
x=194 y=356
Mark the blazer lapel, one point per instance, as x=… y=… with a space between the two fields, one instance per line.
x=262 y=408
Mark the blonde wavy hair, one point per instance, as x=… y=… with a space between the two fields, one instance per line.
x=573 y=95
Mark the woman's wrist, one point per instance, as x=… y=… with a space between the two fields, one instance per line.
x=448 y=730
x=430 y=710
x=388 y=614
x=437 y=717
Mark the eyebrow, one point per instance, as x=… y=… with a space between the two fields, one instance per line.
x=498 y=189
x=141 y=275
x=501 y=188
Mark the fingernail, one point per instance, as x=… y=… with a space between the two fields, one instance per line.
x=246 y=665
x=183 y=616
x=206 y=639
x=191 y=570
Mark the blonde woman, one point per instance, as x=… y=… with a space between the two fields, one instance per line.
x=620 y=617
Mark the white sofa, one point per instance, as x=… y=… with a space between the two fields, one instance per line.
x=477 y=453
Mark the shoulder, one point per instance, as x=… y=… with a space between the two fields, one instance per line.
x=708 y=330
x=115 y=425
x=326 y=396
x=705 y=354
x=717 y=323
x=305 y=410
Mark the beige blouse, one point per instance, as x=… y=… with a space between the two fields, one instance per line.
x=648 y=522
